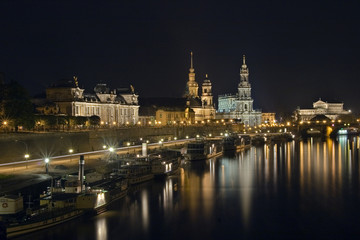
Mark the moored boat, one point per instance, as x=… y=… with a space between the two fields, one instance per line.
x=165 y=163
x=59 y=209
x=136 y=172
x=97 y=198
x=201 y=149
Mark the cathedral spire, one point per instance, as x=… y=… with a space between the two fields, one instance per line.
x=192 y=86
x=244 y=60
x=191 y=63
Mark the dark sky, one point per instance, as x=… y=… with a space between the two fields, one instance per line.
x=297 y=51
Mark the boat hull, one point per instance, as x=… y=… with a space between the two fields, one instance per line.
x=13 y=231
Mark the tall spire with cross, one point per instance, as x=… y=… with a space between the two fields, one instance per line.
x=192 y=85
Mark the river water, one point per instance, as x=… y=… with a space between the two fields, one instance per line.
x=295 y=190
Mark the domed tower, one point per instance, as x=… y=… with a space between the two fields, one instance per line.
x=206 y=96
x=192 y=86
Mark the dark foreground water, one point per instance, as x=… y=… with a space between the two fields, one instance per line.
x=296 y=190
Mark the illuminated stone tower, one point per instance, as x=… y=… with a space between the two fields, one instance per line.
x=244 y=90
x=207 y=100
x=192 y=85
x=206 y=95
x=239 y=106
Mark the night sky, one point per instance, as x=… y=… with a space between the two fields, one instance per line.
x=297 y=51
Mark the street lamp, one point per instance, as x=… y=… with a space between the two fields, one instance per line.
x=71 y=152
x=27 y=155
x=47 y=160
x=26 y=158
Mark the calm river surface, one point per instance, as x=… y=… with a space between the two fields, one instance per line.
x=296 y=190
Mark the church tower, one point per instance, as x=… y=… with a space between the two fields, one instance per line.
x=244 y=89
x=192 y=86
x=206 y=95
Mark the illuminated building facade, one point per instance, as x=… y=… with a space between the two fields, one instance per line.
x=114 y=107
x=239 y=106
x=203 y=105
x=268 y=118
x=330 y=110
x=165 y=116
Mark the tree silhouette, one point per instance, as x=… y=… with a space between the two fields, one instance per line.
x=17 y=106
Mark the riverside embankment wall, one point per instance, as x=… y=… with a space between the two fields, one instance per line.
x=13 y=146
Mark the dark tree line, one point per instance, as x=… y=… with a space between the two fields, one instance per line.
x=65 y=122
x=16 y=106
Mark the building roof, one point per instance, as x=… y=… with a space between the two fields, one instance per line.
x=101 y=88
x=148 y=106
x=175 y=109
x=320 y=117
x=195 y=102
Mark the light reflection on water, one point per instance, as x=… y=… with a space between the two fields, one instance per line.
x=101 y=229
x=294 y=190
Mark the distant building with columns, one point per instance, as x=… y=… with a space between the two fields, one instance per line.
x=239 y=106
x=330 y=110
x=114 y=107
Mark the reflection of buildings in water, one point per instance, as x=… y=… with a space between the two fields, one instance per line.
x=101 y=229
x=138 y=206
x=197 y=190
x=167 y=198
x=324 y=164
x=145 y=210
x=246 y=183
